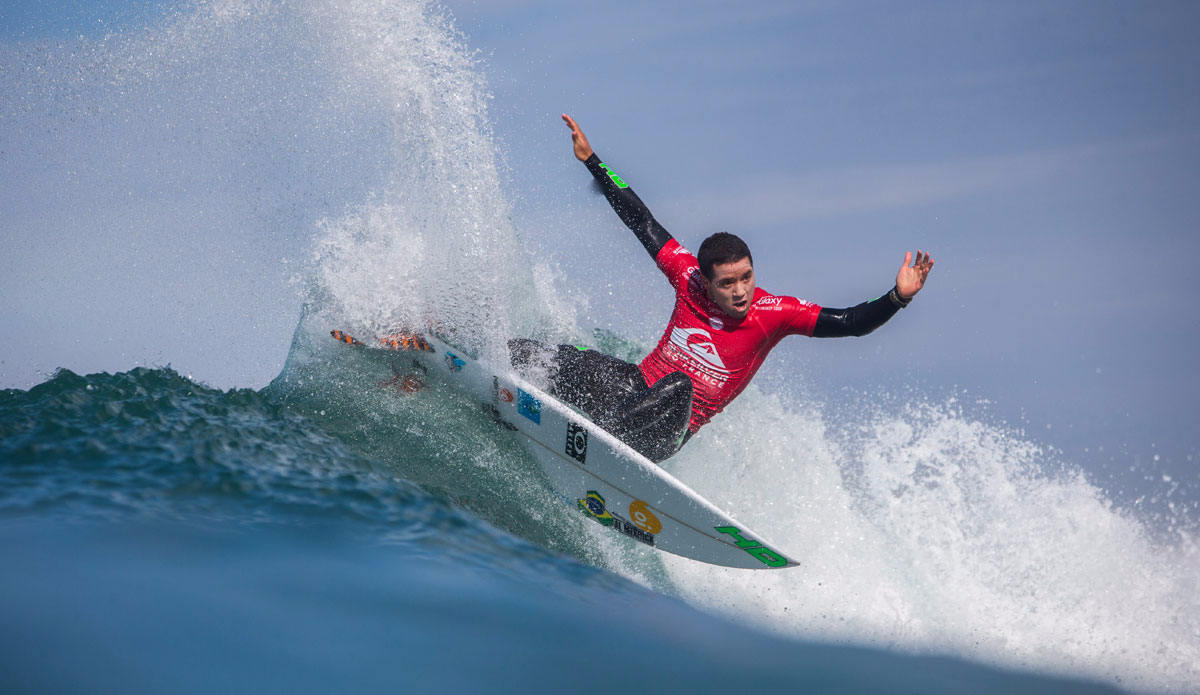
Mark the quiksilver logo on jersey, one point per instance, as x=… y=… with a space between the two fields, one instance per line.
x=697 y=343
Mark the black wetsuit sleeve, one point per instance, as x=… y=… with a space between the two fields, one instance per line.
x=629 y=207
x=858 y=320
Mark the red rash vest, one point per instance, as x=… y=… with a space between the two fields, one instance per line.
x=719 y=353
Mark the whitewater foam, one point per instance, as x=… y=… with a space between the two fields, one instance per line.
x=925 y=530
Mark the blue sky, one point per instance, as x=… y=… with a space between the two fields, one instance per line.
x=37 y=21
x=1043 y=151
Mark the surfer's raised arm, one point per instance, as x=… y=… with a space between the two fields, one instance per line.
x=860 y=320
x=628 y=206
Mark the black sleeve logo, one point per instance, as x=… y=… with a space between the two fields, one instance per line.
x=577 y=437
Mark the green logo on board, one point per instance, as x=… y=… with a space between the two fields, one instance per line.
x=769 y=557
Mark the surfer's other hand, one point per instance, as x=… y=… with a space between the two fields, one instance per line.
x=582 y=149
x=911 y=278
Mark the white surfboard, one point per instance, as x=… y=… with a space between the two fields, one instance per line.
x=588 y=467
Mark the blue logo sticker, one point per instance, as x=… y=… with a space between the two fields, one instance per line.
x=529 y=406
x=453 y=362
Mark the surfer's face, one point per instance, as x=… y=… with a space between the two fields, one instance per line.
x=732 y=287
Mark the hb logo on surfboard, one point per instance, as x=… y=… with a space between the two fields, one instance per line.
x=577 y=438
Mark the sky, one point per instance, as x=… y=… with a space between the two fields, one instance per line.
x=1044 y=152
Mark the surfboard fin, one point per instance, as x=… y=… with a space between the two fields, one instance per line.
x=393 y=341
x=405 y=341
x=345 y=338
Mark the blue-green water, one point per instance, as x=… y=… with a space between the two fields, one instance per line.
x=163 y=536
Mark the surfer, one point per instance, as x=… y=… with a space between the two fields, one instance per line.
x=721 y=329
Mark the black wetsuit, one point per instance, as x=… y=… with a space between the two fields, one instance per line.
x=613 y=392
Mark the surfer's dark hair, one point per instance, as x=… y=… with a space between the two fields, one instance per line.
x=721 y=248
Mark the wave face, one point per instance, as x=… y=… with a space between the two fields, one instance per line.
x=920 y=530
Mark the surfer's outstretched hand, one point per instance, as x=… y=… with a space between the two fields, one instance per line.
x=582 y=149
x=911 y=277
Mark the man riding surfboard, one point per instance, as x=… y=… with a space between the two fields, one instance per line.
x=721 y=329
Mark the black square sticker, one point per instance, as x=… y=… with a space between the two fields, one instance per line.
x=577 y=438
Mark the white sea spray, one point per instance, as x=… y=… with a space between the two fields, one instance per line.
x=926 y=530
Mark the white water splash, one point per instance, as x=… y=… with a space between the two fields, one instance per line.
x=437 y=241
x=927 y=531
x=203 y=160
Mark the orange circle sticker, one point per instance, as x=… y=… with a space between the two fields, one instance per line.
x=643 y=518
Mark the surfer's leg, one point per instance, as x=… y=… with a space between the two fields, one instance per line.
x=655 y=422
x=652 y=420
x=594 y=382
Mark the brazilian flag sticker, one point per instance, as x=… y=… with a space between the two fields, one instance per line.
x=593 y=506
